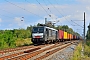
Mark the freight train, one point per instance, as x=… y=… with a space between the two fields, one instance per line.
x=44 y=34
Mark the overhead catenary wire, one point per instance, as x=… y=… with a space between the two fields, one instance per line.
x=50 y=11
x=42 y=7
x=71 y=20
x=58 y=4
x=77 y=23
x=56 y=8
x=47 y=6
x=30 y=3
x=23 y=8
x=32 y=12
x=6 y=16
x=62 y=14
x=58 y=11
x=45 y=10
x=8 y=12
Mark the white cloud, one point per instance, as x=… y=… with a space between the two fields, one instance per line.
x=54 y=19
x=19 y=21
x=8 y=28
x=88 y=8
x=42 y=21
x=84 y=1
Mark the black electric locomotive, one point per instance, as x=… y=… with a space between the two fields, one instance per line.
x=43 y=34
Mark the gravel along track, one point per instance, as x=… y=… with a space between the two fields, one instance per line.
x=64 y=54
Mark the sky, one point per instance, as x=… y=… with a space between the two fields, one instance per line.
x=60 y=12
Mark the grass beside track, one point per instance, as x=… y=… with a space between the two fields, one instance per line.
x=19 y=43
x=23 y=42
x=78 y=52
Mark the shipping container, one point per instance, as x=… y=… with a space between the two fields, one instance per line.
x=73 y=37
x=60 y=34
x=77 y=37
x=65 y=36
x=68 y=36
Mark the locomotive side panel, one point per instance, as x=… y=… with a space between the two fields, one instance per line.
x=52 y=35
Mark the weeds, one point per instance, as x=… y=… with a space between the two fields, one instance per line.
x=78 y=55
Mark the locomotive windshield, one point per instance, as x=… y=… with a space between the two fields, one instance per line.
x=38 y=30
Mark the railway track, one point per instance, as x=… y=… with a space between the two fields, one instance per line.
x=32 y=52
x=8 y=53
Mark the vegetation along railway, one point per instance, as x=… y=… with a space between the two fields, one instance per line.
x=51 y=40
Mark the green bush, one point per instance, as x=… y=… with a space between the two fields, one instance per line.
x=13 y=38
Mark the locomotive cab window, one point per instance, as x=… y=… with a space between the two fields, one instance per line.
x=38 y=29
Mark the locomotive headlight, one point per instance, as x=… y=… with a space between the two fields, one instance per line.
x=33 y=36
x=42 y=36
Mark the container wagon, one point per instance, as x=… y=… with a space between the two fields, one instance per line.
x=65 y=36
x=61 y=35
